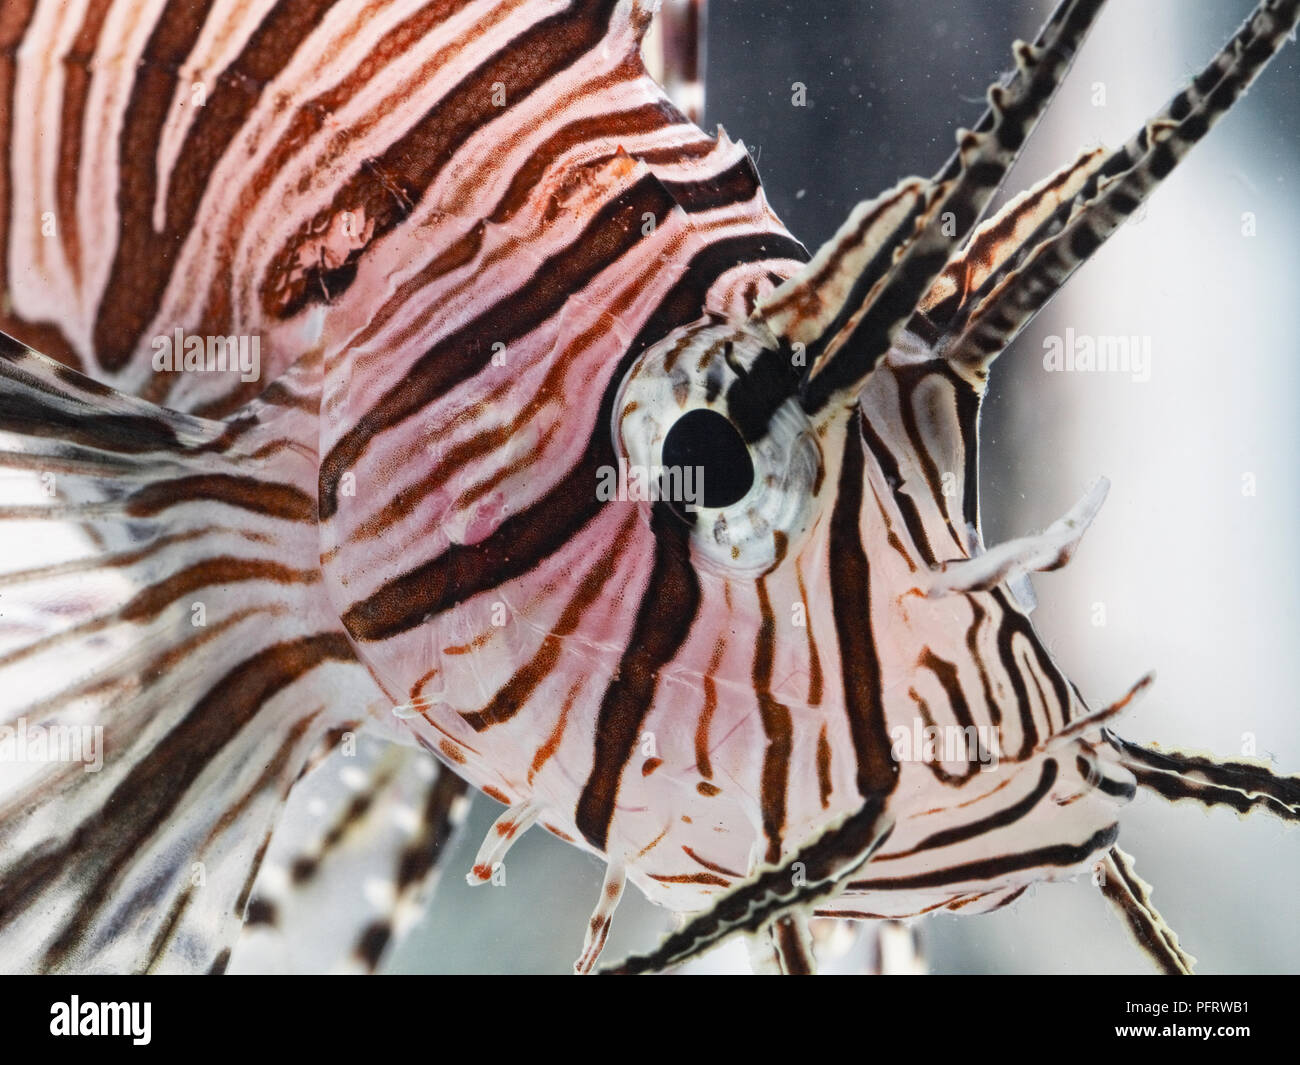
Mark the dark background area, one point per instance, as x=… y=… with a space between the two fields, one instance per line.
x=887 y=86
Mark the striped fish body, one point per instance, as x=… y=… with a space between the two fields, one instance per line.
x=490 y=267
x=696 y=700
x=579 y=659
x=693 y=724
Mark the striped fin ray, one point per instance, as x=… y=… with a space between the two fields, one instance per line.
x=775 y=892
x=1131 y=896
x=357 y=853
x=168 y=623
x=995 y=247
x=602 y=917
x=1242 y=784
x=799 y=309
x=1011 y=296
x=792 y=945
x=885 y=276
x=784 y=947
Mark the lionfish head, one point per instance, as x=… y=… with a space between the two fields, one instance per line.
x=849 y=508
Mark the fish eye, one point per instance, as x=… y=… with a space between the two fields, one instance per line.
x=747 y=500
x=706 y=441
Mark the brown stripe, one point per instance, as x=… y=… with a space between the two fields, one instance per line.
x=972 y=646
x=248 y=493
x=547 y=750
x=1015 y=623
x=1057 y=855
x=949 y=679
x=851 y=607
x=458 y=253
x=824 y=785
x=141 y=265
x=466 y=453
x=663 y=622
x=713 y=866
x=791 y=950
x=680 y=153
x=630 y=123
x=815 y=681
x=888 y=465
x=934 y=766
x=308 y=120
x=737 y=184
x=891 y=537
x=709 y=879
x=777 y=725
x=909 y=380
x=1007 y=816
x=76 y=87
x=211 y=572
x=144 y=258
x=637 y=122
x=702 y=761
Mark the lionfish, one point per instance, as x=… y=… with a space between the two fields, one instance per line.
x=329 y=325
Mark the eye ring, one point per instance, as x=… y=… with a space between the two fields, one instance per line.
x=759 y=497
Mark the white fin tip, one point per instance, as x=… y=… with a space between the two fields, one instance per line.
x=500 y=838
x=1045 y=551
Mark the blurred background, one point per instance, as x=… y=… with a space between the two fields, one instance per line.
x=1190 y=574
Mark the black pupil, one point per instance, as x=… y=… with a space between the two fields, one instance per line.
x=704 y=439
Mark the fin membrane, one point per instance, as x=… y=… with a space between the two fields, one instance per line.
x=168 y=665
